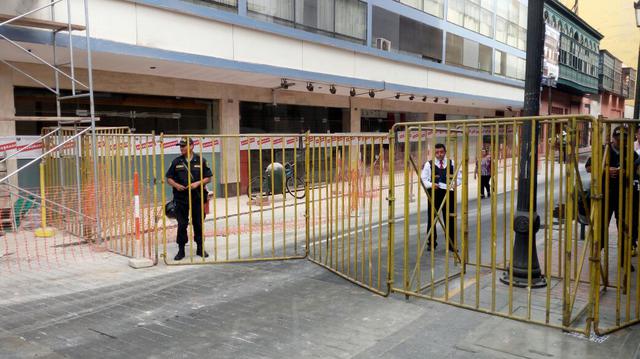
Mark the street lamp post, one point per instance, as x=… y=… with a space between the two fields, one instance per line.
x=636 y=104
x=527 y=178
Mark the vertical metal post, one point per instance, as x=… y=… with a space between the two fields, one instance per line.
x=529 y=154
x=92 y=113
x=636 y=104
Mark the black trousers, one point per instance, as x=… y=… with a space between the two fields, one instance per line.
x=485 y=183
x=182 y=215
x=636 y=210
x=439 y=197
x=621 y=222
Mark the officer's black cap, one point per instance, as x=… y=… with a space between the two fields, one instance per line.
x=619 y=130
x=184 y=140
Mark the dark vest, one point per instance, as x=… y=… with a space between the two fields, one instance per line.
x=442 y=172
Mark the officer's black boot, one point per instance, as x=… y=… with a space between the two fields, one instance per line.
x=202 y=253
x=180 y=254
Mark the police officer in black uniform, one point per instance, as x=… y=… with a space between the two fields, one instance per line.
x=185 y=166
x=618 y=176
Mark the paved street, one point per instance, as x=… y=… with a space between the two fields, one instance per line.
x=273 y=310
x=97 y=307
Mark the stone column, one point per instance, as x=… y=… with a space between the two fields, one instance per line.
x=228 y=123
x=7 y=111
x=351 y=118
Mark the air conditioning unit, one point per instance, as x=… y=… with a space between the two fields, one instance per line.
x=383 y=44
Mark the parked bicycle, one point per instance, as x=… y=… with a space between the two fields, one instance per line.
x=261 y=186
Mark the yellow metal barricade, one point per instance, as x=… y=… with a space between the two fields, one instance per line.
x=616 y=281
x=256 y=203
x=348 y=227
x=457 y=236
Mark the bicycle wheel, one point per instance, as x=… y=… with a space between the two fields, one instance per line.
x=296 y=188
x=253 y=189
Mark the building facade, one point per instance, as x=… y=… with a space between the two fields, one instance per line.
x=271 y=66
x=578 y=62
x=615 y=19
x=234 y=66
x=611 y=85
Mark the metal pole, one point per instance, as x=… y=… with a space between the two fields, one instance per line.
x=527 y=184
x=636 y=105
x=93 y=119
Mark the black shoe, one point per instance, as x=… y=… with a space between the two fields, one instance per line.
x=435 y=245
x=180 y=255
x=481 y=196
x=199 y=253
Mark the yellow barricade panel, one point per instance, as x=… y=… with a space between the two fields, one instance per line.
x=348 y=190
x=455 y=241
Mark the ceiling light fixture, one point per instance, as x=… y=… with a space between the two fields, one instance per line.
x=397 y=96
x=446 y=100
x=372 y=94
x=411 y=97
x=424 y=99
x=284 y=84
x=435 y=100
x=352 y=92
x=310 y=86
x=332 y=89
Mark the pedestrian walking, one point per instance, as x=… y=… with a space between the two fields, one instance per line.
x=184 y=175
x=434 y=175
x=485 y=173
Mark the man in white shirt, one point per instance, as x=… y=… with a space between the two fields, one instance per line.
x=441 y=165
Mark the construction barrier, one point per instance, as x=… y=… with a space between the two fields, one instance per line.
x=256 y=207
x=615 y=166
x=380 y=210
x=349 y=179
x=474 y=264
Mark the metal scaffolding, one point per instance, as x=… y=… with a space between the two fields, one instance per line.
x=66 y=70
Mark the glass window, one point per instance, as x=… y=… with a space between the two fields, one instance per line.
x=472 y=16
x=455 y=48
x=468 y=53
x=509 y=65
x=386 y=25
x=512 y=34
x=502 y=8
x=351 y=18
x=501 y=30
x=486 y=23
x=456 y=12
x=273 y=9
x=487 y=4
x=514 y=11
x=406 y=35
x=523 y=16
x=484 y=58
x=499 y=63
x=315 y=14
x=433 y=7
x=345 y=19
x=413 y=3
